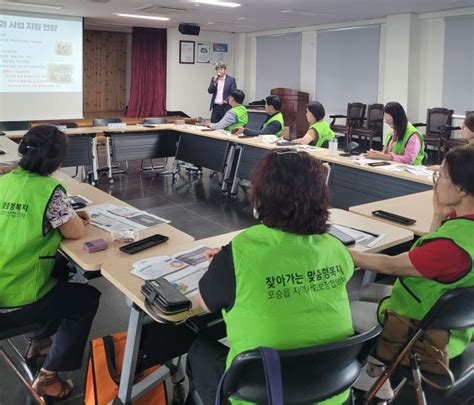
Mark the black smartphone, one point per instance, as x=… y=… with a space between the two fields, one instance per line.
x=245 y=136
x=78 y=205
x=2 y=133
x=143 y=244
x=393 y=217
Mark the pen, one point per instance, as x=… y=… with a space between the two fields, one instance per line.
x=364 y=231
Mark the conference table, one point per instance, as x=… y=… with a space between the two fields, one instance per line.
x=350 y=183
x=118 y=273
x=92 y=262
x=418 y=206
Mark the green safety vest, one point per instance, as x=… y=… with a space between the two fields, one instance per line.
x=242 y=118
x=399 y=146
x=276 y=117
x=27 y=255
x=290 y=292
x=413 y=297
x=324 y=132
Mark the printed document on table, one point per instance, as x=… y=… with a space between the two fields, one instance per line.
x=183 y=270
x=112 y=217
x=361 y=238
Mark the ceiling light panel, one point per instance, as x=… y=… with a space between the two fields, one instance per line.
x=217 y=3
x=25 y=4
x=144 y=17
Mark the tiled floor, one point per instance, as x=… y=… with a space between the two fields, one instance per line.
x=194 y=205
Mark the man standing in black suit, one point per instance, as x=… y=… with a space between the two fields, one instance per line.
x=220 y=87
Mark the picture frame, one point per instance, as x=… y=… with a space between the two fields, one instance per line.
x=186 y=52
x=203 y=51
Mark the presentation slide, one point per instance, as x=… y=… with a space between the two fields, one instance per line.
x=40 y=67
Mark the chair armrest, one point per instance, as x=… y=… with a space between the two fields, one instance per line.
x=336 y=116
x=419 y=124
x=448 y=128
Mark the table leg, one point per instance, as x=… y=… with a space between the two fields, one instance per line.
x=130 y=356
x=109 y=159
x=235 y=182
x=228 y=168
x=95 y=162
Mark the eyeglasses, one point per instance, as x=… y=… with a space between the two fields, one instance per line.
x=437 y=175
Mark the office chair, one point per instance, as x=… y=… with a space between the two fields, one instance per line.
x=354 y=117
x=308 y=375
x=437 y=122
x=454 y=142
x=67 y=124
x=103 y=122
x=372 y=126
x=154 y=121
x=452 y=311
x=15 y=125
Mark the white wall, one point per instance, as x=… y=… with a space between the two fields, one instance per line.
x=186 y=85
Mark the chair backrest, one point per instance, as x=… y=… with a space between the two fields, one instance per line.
x=375 y=116
x=102 y=122
x=453 y=310
x=355 y=110
x=15 y=125
x=154 y=120
x=309 y=375
x=67 y=124
x=256 y=120
x=436 y=118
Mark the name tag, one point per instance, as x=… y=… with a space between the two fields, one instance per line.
x=117 y=125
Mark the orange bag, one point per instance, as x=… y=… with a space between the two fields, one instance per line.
x=103 y=373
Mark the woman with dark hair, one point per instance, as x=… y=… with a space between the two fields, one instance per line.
x=400 y=145
x=34 y=216
x=281 y=283
x=437 y=262
x=319 y=130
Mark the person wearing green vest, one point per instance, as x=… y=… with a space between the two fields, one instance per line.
x=438 y=262
x=237 y=116
x=319 y=131
x=34 y=216
x=273 y=125
x=280 y=283
x=404 y=143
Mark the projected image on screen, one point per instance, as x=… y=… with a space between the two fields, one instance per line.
x=40 y=66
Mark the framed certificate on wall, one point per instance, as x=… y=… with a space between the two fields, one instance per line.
x=186 y=52
x=203 y=53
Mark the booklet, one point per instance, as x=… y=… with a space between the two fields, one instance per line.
x=183 y=270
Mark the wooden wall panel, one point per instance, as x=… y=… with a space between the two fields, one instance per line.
x=105 y=65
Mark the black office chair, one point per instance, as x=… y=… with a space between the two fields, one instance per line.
x=373 y=124
x=8 y=333
x=309 y=375
x=15 y=126
x=355 y=114
x=451 y=143
x=160 y=168
x=438 y=120
x=256 y=120
x=67 y=124
x=454 y=310
x=103 y=122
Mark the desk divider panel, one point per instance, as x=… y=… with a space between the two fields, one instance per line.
x=202 y=151
x=79 y=151
x=143 y=145
x=349 y=187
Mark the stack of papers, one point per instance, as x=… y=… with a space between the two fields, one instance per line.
x=362 y=238
x=183 y=270
x=112 y=217
x=361 y=160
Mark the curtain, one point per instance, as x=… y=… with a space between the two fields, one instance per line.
x=148 y=78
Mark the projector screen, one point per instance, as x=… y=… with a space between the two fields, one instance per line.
x=40 y=67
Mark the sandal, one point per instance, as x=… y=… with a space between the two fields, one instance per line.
x=44 y=384
x=37 y=348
